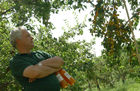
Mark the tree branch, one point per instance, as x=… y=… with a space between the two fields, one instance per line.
x=130 y=19
x=91 y=3
x=133 y=36
x=2 y=13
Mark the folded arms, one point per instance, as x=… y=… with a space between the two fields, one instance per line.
x=44 y=68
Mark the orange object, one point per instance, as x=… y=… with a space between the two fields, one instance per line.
x=63 y=83
x=68 y=78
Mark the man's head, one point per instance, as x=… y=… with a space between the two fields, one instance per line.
x=20 y=38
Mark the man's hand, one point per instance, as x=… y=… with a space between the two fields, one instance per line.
x=31 y=79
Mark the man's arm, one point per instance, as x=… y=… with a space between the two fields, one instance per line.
x=54 y=62
x=44 y=68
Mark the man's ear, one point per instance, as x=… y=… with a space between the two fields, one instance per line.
x=17 y=41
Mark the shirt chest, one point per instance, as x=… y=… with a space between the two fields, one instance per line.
x=34 y=58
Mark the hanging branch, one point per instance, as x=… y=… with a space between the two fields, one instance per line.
x=133 y=36
x=131 y=18
x=2 y=13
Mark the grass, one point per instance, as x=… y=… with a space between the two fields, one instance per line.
x=130 y=85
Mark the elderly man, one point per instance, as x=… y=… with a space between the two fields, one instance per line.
x=35 y=71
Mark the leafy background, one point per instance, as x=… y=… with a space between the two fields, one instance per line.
x=116 y=69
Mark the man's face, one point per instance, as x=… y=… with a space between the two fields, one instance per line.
x=26 y=40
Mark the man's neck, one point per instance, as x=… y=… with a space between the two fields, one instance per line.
x=24 y=51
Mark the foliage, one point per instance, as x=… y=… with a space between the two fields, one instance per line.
x=117 y=63
x=104 y=17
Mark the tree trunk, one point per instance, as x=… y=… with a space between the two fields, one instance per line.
x=123 y=78
x=97 y=84
x=89 y=84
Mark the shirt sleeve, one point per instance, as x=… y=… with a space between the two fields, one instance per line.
x=46 y=55
x=17 y=66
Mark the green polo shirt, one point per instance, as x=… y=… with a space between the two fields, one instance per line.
x=20 y=61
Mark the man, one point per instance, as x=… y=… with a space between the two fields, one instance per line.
x=35 y=71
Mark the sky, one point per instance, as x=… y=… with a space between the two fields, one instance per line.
x=59 y=22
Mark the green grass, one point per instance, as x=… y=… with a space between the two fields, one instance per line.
x=130 y=85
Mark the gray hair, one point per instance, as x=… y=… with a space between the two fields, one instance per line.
x=15 y=34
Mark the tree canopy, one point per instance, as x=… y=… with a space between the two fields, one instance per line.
x=104 y=22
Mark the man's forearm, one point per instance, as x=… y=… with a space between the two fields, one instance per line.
x=55 y=62
x=39 y=71
x=45 y=71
